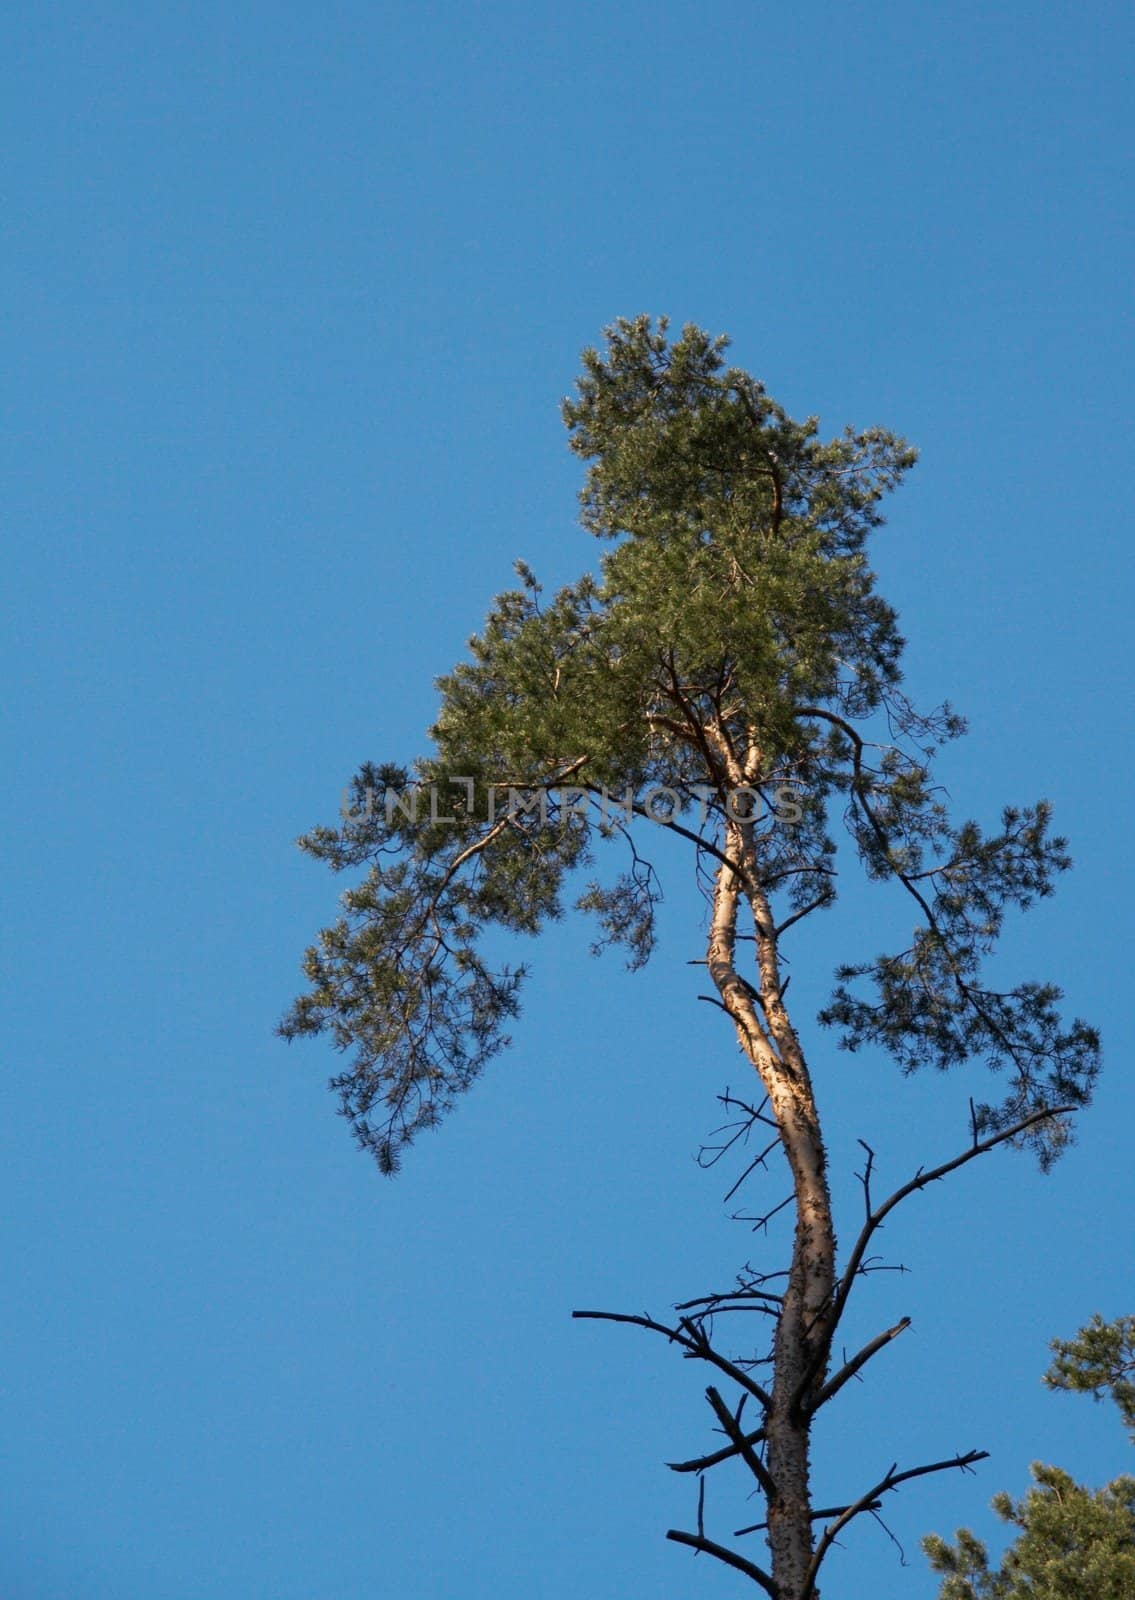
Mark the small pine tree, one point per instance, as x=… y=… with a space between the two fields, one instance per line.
x=1100 y=1361
x=1072 y=1543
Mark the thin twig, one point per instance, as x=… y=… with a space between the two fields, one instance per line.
x=761 y=1223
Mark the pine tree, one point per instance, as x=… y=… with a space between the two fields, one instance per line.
x=733 y=676
x=1072 y=1543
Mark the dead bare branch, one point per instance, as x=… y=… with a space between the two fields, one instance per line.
x=731 y=1426
x=816 y=1516
x=857 y=1362
x=693 y=1341
x=888 y=1482
x=725 y=1454
x=877 y=1216
x=729 y=1557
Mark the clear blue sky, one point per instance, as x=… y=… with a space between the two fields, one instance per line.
x=291 y=293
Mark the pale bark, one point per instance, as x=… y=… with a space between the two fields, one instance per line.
x=768 y=1039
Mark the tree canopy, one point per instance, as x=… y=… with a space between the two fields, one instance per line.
x=735 y=631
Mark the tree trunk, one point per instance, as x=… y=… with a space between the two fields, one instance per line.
x=800 y=1359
